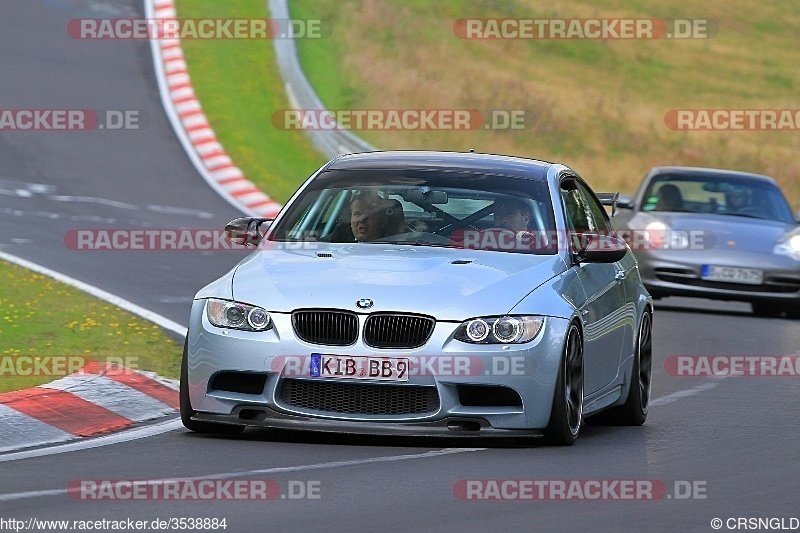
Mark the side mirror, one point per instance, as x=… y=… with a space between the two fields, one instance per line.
x=246 y=231
x=625 y=202
x=594 y=248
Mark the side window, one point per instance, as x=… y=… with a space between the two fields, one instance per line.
x=575 y=212
x=595 y=214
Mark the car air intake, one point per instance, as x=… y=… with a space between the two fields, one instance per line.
x=488 y=396
x=242 y=382
x=333 y=328
x=359 y=398
x=387 y=330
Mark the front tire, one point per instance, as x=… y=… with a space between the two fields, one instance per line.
x=634 y=411
x=566 y=414
x=186 y=406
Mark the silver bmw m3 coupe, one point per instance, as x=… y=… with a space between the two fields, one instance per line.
x=425 y=293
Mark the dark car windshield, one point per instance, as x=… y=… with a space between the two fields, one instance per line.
x=734 y=196
x=424 y=208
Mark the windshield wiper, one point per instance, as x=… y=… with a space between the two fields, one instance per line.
x=744 y=215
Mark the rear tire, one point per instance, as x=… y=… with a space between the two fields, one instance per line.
x=566 y=414
x=634 y=411
x=186 y=406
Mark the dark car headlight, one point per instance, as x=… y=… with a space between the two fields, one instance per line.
x=500 y=330
x=236 y=315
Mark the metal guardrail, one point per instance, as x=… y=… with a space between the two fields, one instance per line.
x=302 y=95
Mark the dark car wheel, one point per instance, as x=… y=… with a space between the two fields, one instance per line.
x=634 y=411
x=186 y=407
x=567 y=412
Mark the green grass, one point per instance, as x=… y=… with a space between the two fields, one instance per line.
x=239 y=87
x=40 y=317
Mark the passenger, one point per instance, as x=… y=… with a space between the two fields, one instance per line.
x=512 y=214
x=395 y=219
x=512 y=218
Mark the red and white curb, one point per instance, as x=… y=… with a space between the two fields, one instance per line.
x=103 y=400
x=99 y=399
x=192 y=126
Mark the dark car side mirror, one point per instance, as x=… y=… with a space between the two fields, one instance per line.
x=594 y=248
x=246 y=231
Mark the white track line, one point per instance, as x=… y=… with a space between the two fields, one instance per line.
x=97 y=292
x=277 y=470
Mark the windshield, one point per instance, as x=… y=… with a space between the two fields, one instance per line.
x=423 y=208
x=720 y=195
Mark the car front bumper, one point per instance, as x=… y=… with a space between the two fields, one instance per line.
x=679 y=273
x=529 y=369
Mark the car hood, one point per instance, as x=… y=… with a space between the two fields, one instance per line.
x=446 y=283
x=751 y=234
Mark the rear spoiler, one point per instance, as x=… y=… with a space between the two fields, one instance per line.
x=609 y=199
x=615 y=200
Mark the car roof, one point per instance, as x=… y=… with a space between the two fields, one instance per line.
x=709 y=173
x=429 y=160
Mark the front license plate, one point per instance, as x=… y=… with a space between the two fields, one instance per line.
x=749 y=276
x=358 y=367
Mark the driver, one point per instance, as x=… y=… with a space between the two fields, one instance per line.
x=368 y=216
x=736 y=200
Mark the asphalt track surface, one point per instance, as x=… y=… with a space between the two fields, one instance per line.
x=734 y=438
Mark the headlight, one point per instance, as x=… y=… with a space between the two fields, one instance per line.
x=789 y=245
x=236 y=315
x=794 y=244
x=659 y=235
x=656 y=234
x=500 y=330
